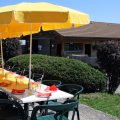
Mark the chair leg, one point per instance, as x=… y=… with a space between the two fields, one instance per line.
x=78 y=116
x=73 y=115
x=26 y=109
x=43 y=112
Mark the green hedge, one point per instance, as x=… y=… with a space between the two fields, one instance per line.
x=66 y=70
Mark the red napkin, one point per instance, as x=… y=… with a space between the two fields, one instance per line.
x=51 y=88
x=43 y=94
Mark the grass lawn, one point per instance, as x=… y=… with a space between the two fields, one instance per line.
x=104 y=102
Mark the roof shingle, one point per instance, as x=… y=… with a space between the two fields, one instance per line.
x=94 y=29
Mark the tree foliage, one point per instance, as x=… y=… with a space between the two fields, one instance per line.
x=11 y=48
x=109 y=60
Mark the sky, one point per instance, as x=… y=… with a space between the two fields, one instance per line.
x=98 y=10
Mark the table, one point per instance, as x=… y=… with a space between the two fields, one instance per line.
x=27 y=98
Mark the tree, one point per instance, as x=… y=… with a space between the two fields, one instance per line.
x=109 y=60
x=11 y=48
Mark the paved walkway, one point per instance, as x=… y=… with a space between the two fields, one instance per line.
x=117 y=90
x=88 y=113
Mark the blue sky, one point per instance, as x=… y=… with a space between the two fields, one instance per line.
x=99 y=10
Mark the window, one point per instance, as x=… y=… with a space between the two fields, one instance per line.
x=23 y=42
x=73 y=47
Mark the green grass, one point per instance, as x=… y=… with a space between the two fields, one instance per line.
x=104 y=102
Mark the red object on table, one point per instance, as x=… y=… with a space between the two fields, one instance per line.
x=3 y=84
x=51 y=88
x=43 y=94
x=14 y=91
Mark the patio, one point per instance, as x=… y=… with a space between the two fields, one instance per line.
x=88 y=113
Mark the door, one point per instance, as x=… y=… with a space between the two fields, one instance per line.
x=88 y=49
x=59 y=48
x=35 y=46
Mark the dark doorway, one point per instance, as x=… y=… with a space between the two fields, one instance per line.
x=50 y=47
x=59 y=48
x=35 y=46
x=88 y=49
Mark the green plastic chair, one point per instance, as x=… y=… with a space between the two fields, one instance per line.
x=16 y=69
x=11 y=110
x=37 y=76
x=59 y=112
x=58 y=83
x=72 y=89
x=25 y=72
x=3 y=95
x=7 y=67
x=75 y=90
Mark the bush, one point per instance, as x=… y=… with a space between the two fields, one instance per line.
x=66 y=70
x=11 y=48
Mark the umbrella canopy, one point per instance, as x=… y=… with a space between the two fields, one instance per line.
x=24 y=17
x=50 y=16
x=14 y=19
x=15 y=29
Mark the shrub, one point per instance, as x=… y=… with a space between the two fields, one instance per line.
x=11 y=48
x=66 y=70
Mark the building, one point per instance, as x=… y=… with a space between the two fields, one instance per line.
x=78 y=43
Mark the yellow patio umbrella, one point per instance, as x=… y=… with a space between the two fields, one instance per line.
x=41 y=14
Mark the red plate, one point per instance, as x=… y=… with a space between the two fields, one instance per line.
x=3 y=84
x=43 y=94
x=18 y=91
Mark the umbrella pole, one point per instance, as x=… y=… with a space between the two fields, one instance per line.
x=2 y=53
x=29 y=86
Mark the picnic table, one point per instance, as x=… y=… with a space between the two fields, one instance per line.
x=29 y=96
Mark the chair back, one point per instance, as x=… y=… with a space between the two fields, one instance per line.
x=59 y=109
x=3 y=95
x=52 y=82
x=72 y=89
x=37 y=77
x=7 y=67
x=66 y=106
x=11 y=109
x=16 y=69
x=25 y=72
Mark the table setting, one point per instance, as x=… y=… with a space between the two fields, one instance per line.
x=17 y=86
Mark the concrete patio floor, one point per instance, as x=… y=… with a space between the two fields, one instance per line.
x=88 y=113
x=118 y=90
